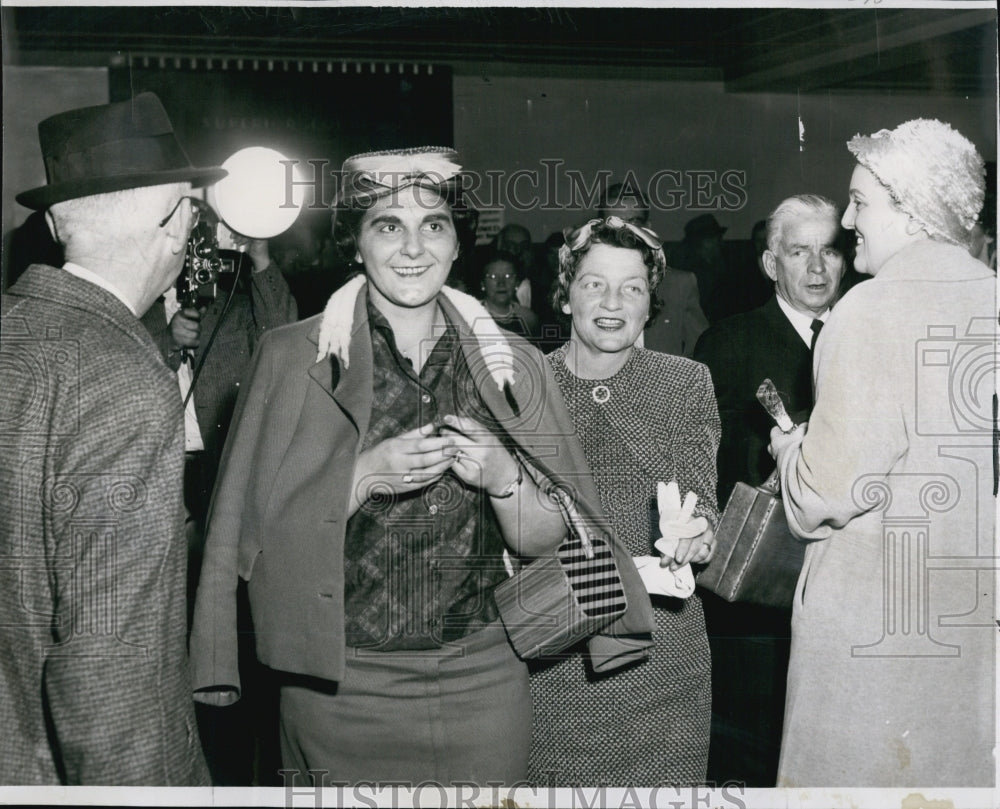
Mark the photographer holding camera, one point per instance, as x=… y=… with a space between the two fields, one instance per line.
x=182 y=332
x=208 y=340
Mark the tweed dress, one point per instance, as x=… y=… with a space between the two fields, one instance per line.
x=655 y=420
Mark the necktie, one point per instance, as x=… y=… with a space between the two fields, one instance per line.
x=816 y=325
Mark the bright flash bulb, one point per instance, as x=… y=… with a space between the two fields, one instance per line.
x=262 y=194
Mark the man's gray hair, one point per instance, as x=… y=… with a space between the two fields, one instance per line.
x=114 y=217
x=795 y=207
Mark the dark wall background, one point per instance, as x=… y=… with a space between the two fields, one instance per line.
x=306 y=115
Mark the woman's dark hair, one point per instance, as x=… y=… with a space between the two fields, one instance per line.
x=491 y=255
x=347 y=218
x=602 y=233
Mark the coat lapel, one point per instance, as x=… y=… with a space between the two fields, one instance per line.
x=502 y=404
x=512 y=406
x=351 y=387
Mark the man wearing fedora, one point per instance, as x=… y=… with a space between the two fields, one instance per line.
x=94 y=677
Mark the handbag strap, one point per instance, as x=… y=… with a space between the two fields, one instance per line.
x=586 y=556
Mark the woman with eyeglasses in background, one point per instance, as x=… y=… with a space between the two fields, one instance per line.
x=644 y=418
x=499 y=285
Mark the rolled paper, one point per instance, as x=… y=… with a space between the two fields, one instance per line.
x=768 y=396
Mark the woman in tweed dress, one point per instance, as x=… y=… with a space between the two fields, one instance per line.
x=643 y=418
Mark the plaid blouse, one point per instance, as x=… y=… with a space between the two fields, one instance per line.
x=420 y=567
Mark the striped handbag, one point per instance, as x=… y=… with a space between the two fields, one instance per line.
x=559 y=599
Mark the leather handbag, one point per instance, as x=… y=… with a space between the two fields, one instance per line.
x=757 y=558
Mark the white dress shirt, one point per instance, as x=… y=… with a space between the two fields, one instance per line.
x=86 y=275
x=800 y=322
x=192 y=432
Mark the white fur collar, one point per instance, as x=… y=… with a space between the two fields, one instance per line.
x=337 y=324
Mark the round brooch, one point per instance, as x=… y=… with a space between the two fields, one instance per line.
x=601 y=394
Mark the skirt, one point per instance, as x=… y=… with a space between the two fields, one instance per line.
x=458 y=714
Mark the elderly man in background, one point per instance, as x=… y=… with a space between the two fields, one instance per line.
x=750 y=645
x=94 y=677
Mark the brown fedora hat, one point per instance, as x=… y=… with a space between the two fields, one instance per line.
x=111 y=147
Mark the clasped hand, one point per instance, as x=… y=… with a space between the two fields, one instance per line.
x=782 y=442
x=417 y=458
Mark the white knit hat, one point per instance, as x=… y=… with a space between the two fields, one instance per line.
x=932 y=172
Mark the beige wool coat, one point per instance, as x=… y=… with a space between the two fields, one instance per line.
x=891 y=680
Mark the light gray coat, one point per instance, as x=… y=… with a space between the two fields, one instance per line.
x=891 y=680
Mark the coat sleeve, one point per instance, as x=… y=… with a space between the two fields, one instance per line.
x=214 y=649
x=723 y=352
x=697 y=471
x=116 y=670
x=856 y=427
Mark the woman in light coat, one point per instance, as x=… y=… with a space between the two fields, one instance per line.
x=891 y=679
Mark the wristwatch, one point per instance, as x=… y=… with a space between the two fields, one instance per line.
x=510 y=488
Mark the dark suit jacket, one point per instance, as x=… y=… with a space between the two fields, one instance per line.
x=268 y=304
x=742 y=351
x=94 y=678
x=278 y=514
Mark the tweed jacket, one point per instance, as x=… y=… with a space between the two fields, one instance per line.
x=278 y=514
x=892 y=674
x=680 y=322
x=269 y=304
x=94 y=677
x=741 y=352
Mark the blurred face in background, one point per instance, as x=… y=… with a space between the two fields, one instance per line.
x=628 y=209
x=516 y=240
x=500 y=283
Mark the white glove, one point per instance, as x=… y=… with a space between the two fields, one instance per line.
x=676 y=523
x=663 y=581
